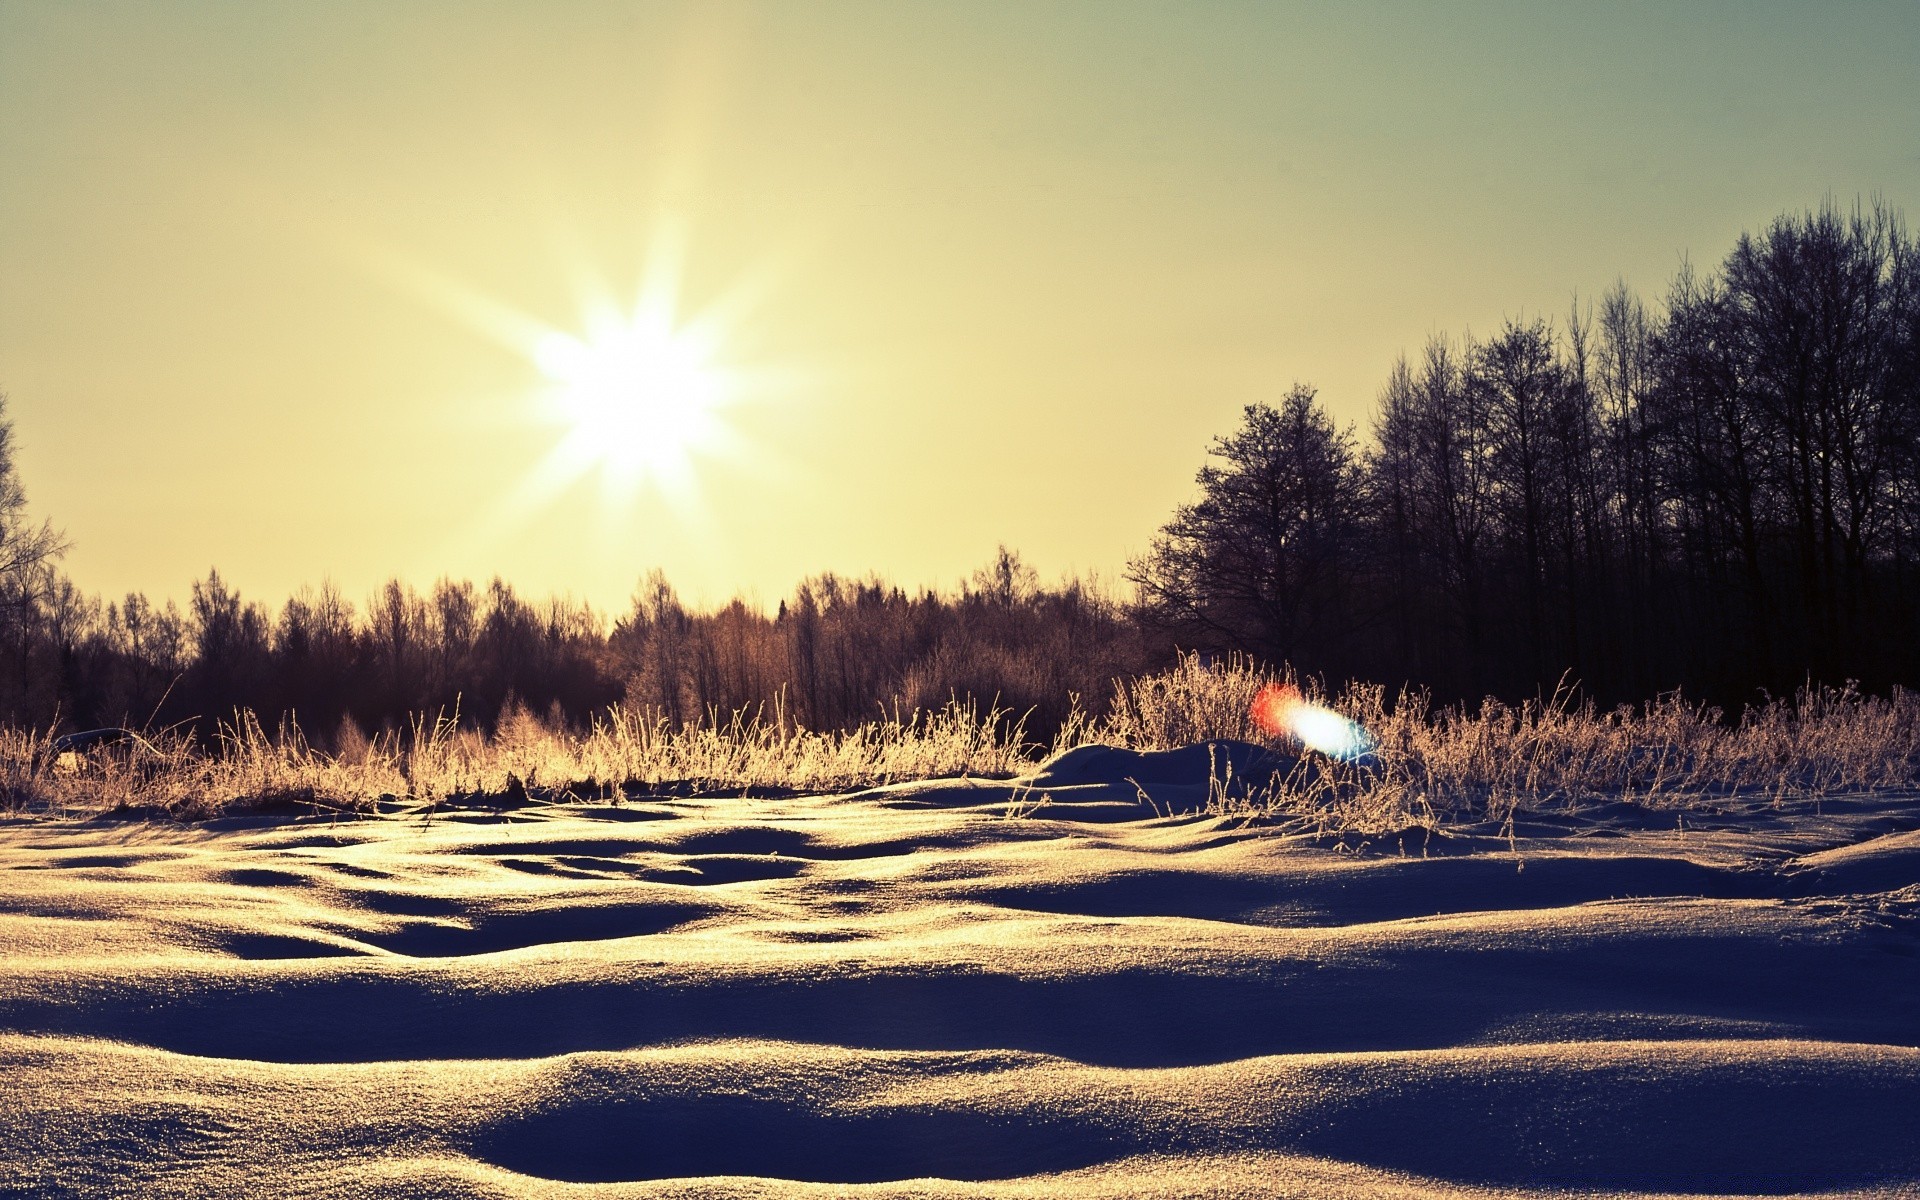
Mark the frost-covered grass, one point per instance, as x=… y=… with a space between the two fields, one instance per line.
x=1455 y=763
x=1430 y=765
x=434 y=761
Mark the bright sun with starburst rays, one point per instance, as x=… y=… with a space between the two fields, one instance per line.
x=639 y=397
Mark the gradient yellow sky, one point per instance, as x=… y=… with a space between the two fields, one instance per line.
x=985 y=273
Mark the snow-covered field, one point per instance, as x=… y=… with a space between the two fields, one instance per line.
x=907 y=992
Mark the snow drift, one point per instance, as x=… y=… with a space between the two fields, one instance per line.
x=905 y=992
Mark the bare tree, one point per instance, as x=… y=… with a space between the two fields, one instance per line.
x=27 y=551
x=1006 y=581
x=1515 y=377
x=1816 y=319
x=1397 y=529
x=1265 y=558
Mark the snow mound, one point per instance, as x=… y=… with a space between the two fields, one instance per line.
x=909 y=992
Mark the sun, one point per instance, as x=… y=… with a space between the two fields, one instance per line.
x=642 y=395
x=639 y=397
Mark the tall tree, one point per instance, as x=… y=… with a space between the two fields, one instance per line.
x=1815 y=317
x=27 y=551
x=1621 y=383
x=1265 y=558
x=1515 y=379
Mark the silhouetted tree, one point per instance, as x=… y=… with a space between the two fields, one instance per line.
x=1435 y=447
x=1265 y=557
x=27 y=551
x=27 y=583
x=1635 y=573
x=230 y=651
x=1815 y=323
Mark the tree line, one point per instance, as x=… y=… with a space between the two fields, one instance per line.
x=836 y=653
x=1719 y=491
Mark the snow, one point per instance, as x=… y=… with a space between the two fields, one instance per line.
x=907 y=992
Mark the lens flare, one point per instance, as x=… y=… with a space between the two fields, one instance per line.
x=1273 y=708
x=1281 y=710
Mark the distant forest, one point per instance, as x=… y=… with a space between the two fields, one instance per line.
x=1718 y=492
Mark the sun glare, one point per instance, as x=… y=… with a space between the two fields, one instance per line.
x=638 y=397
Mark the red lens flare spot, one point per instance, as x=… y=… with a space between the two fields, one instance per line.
x=1275 y=707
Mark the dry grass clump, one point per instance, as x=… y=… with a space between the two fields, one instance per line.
x=1429 y=767
x=170 y=773
x=1667 y=753
x=1456 y=764
x=1195 y=701
x=636 y=751
x=623 y=753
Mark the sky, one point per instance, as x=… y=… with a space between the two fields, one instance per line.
x=568 y=292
